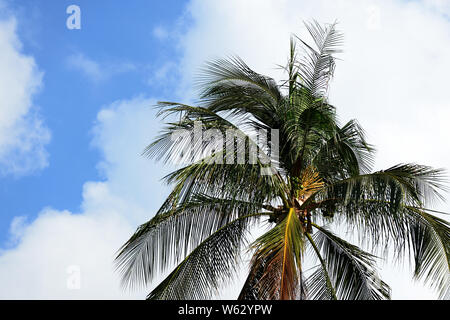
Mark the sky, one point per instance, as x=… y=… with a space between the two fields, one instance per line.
x=76 y=113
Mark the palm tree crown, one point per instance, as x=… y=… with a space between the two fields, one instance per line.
x=322 y=175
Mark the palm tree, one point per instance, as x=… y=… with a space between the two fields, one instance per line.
x=321 y=179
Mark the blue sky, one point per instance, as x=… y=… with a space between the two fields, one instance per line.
x=69 y=100
x=76 y=111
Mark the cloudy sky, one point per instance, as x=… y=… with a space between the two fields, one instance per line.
x=76 y=112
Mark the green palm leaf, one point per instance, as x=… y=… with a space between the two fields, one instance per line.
x=351 y=269
x=280 y=251
x=208 y=266
x=180 y=230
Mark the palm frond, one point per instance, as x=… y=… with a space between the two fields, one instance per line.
x=183 y=141
x=319 y=284
x=345 y=154
x=307 y=128
x=374 y=204
x=410 y=184
x=205 y=269
x=170 y=235
x=317 y=67
x=235 y=71
x=280 y=250
x=430 y=240
x=351 y=269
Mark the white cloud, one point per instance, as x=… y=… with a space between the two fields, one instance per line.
x=122 y=131
x=95 y=71
x=16 y=229
x=88 y=66
x=441 y=6
x=37 y=267
x=23 y=135
x=164 y=76
x=48 y=248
